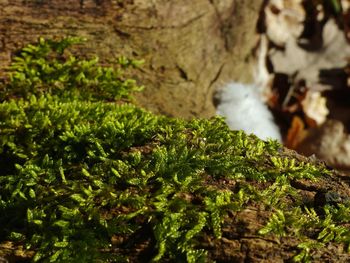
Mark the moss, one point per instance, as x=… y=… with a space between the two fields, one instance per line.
x=50 y=67
x=94 y=181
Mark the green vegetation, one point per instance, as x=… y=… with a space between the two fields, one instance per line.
x=79 y=171
x=48 y=67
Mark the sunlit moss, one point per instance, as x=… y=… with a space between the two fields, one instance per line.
x=77 y=172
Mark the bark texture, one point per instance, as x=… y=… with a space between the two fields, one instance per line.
x=190 y=47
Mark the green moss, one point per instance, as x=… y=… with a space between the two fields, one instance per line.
x=77 y=174
x=49 y=67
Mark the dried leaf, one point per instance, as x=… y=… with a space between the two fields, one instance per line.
x=330 y=143
x=345 y=4
x=314 y=107
x=294 y=60
x=284 y=20
x=296 y=133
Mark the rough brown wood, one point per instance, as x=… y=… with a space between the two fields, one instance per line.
x=189 y=47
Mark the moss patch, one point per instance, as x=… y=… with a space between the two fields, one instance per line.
x=95 y=181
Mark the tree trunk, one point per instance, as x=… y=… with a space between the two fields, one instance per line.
x=189 y=47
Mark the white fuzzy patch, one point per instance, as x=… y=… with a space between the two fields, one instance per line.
x=244 y=110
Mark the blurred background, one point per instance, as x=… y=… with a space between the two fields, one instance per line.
x=306 y=75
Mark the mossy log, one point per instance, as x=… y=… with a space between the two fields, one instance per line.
x=90 y=179
x=99 y=181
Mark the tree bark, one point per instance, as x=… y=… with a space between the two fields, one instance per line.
x=190 y=47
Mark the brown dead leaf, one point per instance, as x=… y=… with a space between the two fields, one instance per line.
x=296 y=133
